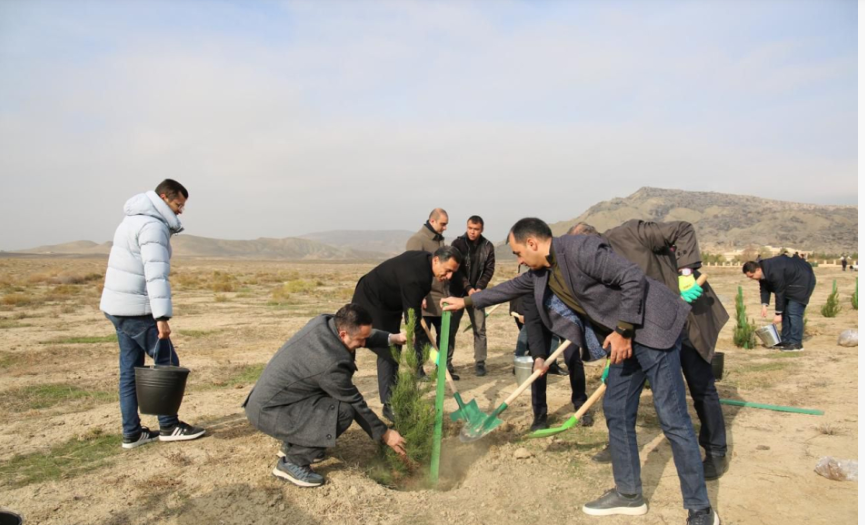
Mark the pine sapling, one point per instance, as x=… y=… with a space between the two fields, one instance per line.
x=743 y=334
x=832 y=306
x=855 y=299
x=413 y=409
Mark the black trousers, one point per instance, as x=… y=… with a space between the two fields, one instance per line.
x=303 y=455
x=577 y=377
x=701 y=384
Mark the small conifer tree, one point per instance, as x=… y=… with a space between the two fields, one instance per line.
x=413 y=409
x=832 y=306
x=743 y=334
x=855 y=299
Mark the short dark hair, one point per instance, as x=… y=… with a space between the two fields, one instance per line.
x=445 y=253
x=530 y=227
x=351 y=317
x=582 y=228
x=750 y=267
x=170 y=188
x=476 y=219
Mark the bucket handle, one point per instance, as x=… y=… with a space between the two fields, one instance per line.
x=170 y=350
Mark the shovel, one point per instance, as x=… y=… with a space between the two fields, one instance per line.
x=470 y=413
x=472 y=432
x=572 y=422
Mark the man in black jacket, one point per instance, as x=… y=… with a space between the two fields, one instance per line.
x=474 y=274
x=587 y=294
x=305 y=396
x=792 y=281
x=393 y=287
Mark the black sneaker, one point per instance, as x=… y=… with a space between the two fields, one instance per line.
x=791 y=347
x=614 y=503
x=480 y=369
x=706 y=516
x=714 y=467
x=540 y=423
x=454 y=375
x=180 y=432
x=421 y=375
x=604 y=456
x=557 y=370
x=143 y=437
x=300 y=476
x=588 y=419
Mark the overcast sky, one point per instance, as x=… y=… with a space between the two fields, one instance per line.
x=284 y=118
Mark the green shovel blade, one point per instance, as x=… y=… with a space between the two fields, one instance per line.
x=547 y=432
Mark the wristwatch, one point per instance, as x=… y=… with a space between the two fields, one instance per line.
x=627 y=333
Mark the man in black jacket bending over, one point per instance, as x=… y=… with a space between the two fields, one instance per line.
x=390 y=290
x=792 y=281
x=589 y=295
x=305 y=396
x=474 y=274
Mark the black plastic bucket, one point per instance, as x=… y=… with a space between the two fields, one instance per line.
x=7 y=517
x=718 y=365
x=160 y=387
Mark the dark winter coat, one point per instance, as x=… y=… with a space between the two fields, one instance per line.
x=429 y=241
x=790 y=279
x=390 y=289
x=660 y=249
x=295 y=399
x=478 y=267
x=608 y=287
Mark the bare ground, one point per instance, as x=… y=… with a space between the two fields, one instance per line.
x=58 y=405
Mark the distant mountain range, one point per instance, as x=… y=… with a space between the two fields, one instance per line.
x=724 y=222
x=290 y=248
x=389 y=242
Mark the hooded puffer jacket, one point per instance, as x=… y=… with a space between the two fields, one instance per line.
x=136 y=282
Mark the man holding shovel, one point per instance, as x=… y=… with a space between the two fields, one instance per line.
x=136 y=298
x=640 y=322
x=305 y=396
x=669 y=253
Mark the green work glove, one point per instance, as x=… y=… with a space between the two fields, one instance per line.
x=689 y=289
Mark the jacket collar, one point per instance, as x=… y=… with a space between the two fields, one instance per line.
x=435 y=235
x=152 y=205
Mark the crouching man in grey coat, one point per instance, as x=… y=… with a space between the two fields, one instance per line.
x=305 y=396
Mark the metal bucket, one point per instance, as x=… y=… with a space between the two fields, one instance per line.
x=7 y=517
x=768 y=335
x=523 y=368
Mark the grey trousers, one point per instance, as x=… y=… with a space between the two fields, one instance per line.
x=477 y=316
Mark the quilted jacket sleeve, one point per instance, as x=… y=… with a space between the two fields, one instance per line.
x=155 y=256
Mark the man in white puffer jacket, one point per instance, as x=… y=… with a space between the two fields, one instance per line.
x=137 y=300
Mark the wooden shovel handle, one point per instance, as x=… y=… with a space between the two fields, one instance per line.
x=433 y=344
x=701 y=280
x=591 y=401
x=537 y=373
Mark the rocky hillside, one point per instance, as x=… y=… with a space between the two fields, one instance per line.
x=726 y=222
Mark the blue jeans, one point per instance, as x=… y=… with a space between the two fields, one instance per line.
x=663 y=368
x=793 y=323
x=138 y=335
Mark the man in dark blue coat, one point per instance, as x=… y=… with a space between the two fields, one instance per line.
x=792 y=281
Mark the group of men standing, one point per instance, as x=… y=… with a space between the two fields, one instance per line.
x=629 y=293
